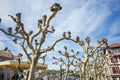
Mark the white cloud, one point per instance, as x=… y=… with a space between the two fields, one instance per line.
x=114 y=30
x=113 y=40
x=85 y=19
x=81 y=17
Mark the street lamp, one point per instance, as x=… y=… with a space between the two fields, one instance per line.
x=75 y=72
x=60 y=63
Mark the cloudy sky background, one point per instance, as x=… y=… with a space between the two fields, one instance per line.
x=95 y=18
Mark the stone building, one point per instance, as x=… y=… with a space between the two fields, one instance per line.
x=9 y=69
x=5 y=73
x=114 y=61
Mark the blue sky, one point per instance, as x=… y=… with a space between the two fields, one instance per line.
x=95 y=18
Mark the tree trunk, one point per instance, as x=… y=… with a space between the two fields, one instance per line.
x=80 y=74
x=27 y=73
x=32 y=69
x=84 y=75
x=67 y=70
x=95 y=75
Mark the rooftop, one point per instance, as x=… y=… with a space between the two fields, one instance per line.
x=116 y=45
x=7 y=54
x=24 y=65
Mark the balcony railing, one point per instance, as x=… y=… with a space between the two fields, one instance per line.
x=114 y=64
x=115 y=75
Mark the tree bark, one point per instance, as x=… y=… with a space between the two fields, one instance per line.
x=67 y=70
x=32 y=68
x=84 y=72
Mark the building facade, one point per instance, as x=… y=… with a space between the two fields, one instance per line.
x=6 y=73
x=114 y=61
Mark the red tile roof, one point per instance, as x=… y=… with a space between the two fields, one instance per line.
x=116 y=45
x=7 y=54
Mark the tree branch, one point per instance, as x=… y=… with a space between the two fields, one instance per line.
x=24 y=49
x=52 y=47
x=48 y=22
x=39 y=31
x=10 y=34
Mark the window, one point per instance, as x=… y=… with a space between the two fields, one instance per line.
x=115 y=70
x=114 y=78
x=1 y=76
x=1 y=58
x=114 y=59
x=116 y=50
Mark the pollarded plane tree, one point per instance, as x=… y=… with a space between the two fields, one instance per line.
x=88 y=52
x=97 y=63
x=67 y=59
x=29 y=41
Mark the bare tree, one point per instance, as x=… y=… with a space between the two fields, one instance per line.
x=89 y=58
x=97 y=63
x=69 y=59
x=90 y=53
x=92 y=59
x=31 y=44
x=29 y=41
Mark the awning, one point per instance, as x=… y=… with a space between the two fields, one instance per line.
x=24 y=65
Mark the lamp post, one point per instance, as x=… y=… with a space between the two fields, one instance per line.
x=75 y=73
x=61 y=63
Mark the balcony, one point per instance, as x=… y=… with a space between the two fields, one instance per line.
x=114 y=71
x=115 y=75
x=114 y=64
x=116 y=54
